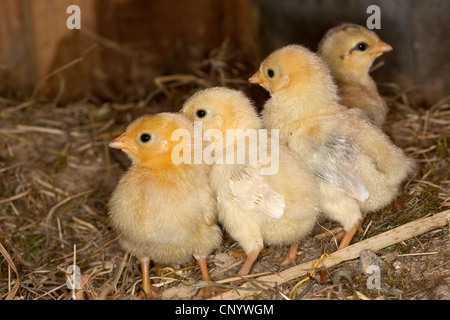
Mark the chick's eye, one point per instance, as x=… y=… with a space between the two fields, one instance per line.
x=145 y=137
x=270 y=73
x=201 y=113
x=362 y=46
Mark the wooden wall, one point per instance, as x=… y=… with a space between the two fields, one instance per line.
x=34 y=41
x=137 y=40
x=140 y=39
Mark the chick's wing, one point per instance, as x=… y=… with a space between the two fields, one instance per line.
x=252 y=193
x=336 y=163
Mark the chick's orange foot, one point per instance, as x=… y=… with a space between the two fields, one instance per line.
x=291 y=256
x=148 y=291
x=149 y=294
x=289 y=259
x=209 y=292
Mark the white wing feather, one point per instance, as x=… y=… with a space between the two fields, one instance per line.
x=252 y=193
x=336 y=163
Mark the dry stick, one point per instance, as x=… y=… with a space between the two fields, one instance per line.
x=53 y=209
x=74 y=279
x=12 y=292
x=18 y=196
x=378 y=242
x=108 y=288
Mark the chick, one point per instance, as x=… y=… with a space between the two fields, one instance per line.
x=357 y=166
x=350 y=50
x=256 y=208
x=163 y=211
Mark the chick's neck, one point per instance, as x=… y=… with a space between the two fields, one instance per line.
x=164 y=171
x=353 y=75
x=157 y=162
x=305 y=101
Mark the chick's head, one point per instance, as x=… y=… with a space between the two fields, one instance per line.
x=351 y=48
x=295 y=69
x=222 y=108
x=148 y=140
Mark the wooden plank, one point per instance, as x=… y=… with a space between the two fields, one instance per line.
x=16 y=54
x=55 y=46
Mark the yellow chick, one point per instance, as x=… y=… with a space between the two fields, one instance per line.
x=350 y=50
x=358 y=168
x=279 y=207
x=163 y=211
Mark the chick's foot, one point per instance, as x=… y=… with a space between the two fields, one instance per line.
x=148 y=291
x=289 y=259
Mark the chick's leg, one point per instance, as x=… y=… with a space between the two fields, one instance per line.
x=342 y=208
x=149 y=291
x=291 y=256
x=239 y=253
x=251 y=258
x=348 y=236
x=209 y=291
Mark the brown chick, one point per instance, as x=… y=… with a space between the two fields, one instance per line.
x=358 y=168
x=276 y=207
x=350 y=50
x=163 y=211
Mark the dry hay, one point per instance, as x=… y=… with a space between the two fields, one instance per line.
x=57 y=174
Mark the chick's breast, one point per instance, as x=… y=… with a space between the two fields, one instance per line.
x=166 y=219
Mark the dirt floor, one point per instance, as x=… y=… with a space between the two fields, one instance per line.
x=57 y=174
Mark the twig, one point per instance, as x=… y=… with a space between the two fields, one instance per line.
x=13 y=291
x=53 y=209
x=18 y=196
x=74 y=279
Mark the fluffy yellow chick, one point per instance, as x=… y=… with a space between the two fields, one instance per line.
x=163 y=211
x=256 y=208
x=358 y=168
x=350 y=50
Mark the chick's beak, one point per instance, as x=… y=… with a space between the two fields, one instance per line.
x=383 y=47
x=256 y=79
x=119 y=143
